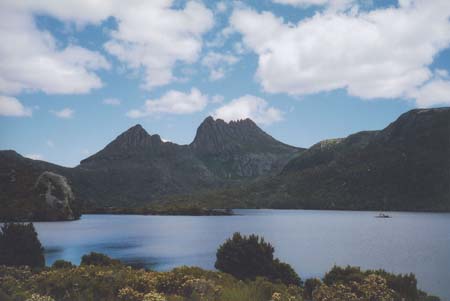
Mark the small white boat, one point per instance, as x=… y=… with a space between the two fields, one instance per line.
x=382 y=215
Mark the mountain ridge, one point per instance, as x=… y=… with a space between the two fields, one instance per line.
x=137 y=168
x=405 y=166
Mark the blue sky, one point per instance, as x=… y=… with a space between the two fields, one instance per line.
x=75 y=74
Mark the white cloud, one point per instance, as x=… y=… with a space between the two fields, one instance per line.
x=111 y=101
x=151 y=36
x=50 y=143
x=31 y=60
x=218 y=64
x=65 y=113
x=435 y=92
x=332 y=5
x=302 y=2
x=154 y=36
x=10 y=106
x=220 y=38
x=34 y=156
x=383 y=53
x=239 y=48
x=217 y=98
x=249 y=106
x=81 y=12
x=221 y=7
x=173 y=102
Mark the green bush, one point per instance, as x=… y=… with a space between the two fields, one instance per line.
x=343 y=275
x=310 y=285
x=19 y=245
x=121 y=283
x=249 y=257
x=284 y=273
x=372 y=288
x=404 y=285
x=100 y=259
x=62 y=264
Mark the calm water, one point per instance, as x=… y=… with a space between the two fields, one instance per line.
x=311 y=241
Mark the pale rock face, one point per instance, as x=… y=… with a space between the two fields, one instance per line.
x=55 y=194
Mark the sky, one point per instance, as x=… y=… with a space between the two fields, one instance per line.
x=74 y=74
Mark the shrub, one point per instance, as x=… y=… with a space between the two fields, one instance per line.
x=152 y=296
x=404 y=285
x=4 y=296
x=343 y=275
x=372 y=287
x=62 y=264
x=100 y=259
x=129 y=294
x=248 y=257
x=310 y=285
x=19 y=245
x=285 y=273
x=37 y=297
x=121 y=283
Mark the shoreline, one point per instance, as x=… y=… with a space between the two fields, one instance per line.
x=198 y=212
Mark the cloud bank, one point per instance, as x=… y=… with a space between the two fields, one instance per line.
x=249 y=106
x=11 y=106
x=172 y=102
x=383 y=53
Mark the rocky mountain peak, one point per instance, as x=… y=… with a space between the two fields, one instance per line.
x=210 y=122
x=135 y=140
x=217 y=136
x=134 y=136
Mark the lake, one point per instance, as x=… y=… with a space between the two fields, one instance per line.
x=312 y=241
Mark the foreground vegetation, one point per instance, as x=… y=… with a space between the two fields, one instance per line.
x=66 y=282
x=248 y=271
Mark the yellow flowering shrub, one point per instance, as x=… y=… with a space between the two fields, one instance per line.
x=37 y=297
x=129 y=294
x=373 y=287
x=153 y=296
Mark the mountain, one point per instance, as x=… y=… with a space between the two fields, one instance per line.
x=137 y=169
x=239 y=149
x=405 y=166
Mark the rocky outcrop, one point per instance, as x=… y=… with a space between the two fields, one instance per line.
x=53 y=197
x=33 y=190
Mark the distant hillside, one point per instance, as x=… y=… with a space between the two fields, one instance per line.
x=138 y=169
x=405 y=166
